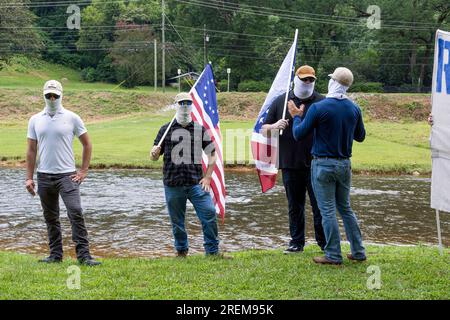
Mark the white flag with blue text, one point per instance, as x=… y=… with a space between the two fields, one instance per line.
x=440 y=132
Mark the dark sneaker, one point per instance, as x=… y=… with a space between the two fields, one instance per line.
x=293 y=249
x=350 y=257
x=89 y=261
x=325 y=260
x=182 y=254
x=51 y=260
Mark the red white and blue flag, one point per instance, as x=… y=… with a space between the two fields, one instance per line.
x=265 y=147
x=206 y=114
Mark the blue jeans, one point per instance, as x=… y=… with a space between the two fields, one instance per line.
x=176 y=198
x=331 y=180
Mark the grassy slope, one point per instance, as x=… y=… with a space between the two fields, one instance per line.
x=123 y=123
x=393 y=147
x=406 y=273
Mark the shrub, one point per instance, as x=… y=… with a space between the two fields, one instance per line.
x=223 y=86
x=254 y=86
x=88 y=74
x=375 y=87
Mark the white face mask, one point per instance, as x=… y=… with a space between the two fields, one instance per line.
x=183 y=114
x=51 y=107
x=336 y=90
x=303 y=90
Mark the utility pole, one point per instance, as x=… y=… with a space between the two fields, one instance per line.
x=179 y=80
x=229 y=72
x=163 y=47
x=205 y=49
x=156 y=64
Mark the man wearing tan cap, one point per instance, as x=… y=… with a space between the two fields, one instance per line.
x=295 y=159
x=335 y=122
x=50 y=134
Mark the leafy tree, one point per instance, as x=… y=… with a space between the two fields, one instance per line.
x=17 y=34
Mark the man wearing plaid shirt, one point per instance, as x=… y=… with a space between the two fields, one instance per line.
x=182 y=148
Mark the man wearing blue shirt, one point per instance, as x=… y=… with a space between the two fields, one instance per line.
x=335 y=122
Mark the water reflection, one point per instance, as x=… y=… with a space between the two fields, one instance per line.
x=126 y=216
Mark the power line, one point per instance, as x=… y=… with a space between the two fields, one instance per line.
x=60 y=3
x=275 y=11
x=295 y=18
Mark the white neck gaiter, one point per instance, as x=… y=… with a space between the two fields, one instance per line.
x=336 y=90
x=183 y=115
x=52 y=107
x=303 y=90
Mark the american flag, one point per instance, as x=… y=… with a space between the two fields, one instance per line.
x=206 y=114
x=265 y=148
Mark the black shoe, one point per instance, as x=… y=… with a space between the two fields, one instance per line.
x=51 y=260
x=293 y=249
x=89 y=261
x=182 y=254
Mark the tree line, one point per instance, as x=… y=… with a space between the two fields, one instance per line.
x=389 y=44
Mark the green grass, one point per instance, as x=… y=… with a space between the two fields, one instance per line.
x=23 y=72
x=406 y=273
x=125 y=142
x=130 y=120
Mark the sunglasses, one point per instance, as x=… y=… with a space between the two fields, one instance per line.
x=51 y=95
x=308 y=79
x=185 y=103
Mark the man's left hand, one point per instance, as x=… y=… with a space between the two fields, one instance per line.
x=79 y=176
x=206 y=184
x=294 y=111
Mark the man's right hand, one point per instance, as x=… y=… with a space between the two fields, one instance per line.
x=280 y=124
x=430 y=119
x=30 y=187
x=155 y=153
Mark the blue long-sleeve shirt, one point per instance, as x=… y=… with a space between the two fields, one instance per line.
x=335 y=123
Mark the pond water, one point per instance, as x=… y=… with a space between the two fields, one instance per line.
x=126 y=216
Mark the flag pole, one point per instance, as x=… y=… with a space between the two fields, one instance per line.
x=441 y=251
x=167 y=131
x=290 y=80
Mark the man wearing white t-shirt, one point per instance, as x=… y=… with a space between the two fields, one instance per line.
x=50 y=135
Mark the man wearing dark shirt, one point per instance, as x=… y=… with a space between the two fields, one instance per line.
x=335 y=122
x=182 y=148
x=295 y=159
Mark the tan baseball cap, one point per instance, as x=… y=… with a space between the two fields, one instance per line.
x=53 y=86
x=342 y=75
x=306 y=72
x=183 y=96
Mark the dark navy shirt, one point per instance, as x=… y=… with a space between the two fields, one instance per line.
x=335 y=124
x=293 y=154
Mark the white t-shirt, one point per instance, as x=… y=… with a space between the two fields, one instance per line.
x=54 y=136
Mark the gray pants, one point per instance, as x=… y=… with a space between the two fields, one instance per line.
x=50 y=186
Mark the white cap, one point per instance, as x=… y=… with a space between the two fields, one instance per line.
x=183 y=96
x=53 y=86
x=342 y=75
